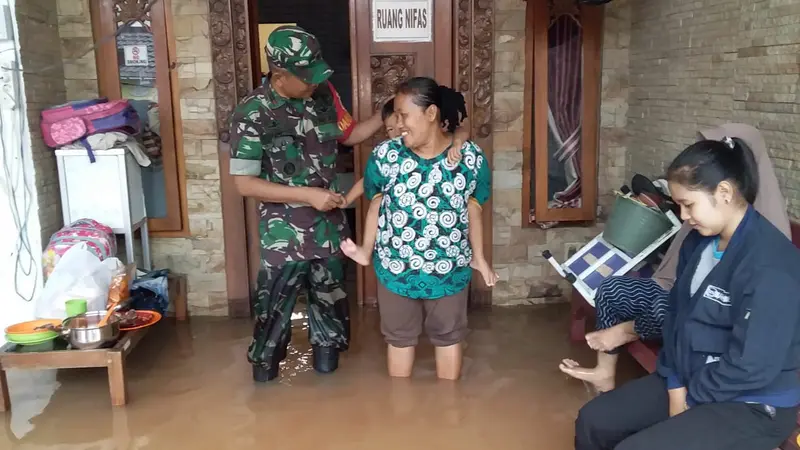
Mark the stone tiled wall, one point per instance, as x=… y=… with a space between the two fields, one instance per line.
x=201 y=255
x=697 y=64
x=525 y=276
x=43 y=75
x=75 y=30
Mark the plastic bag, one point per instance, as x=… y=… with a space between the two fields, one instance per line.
x=119 y=290
x=79 y=274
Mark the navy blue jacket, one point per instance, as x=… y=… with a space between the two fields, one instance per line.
x=738 y=337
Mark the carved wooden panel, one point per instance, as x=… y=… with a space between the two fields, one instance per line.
x=125 y=10
x=475 y=41
x=230 y=58
x=482 y=51
x=241 y=47
x=222 y=61
x=388 y=71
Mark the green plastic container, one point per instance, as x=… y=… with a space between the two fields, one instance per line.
x=631 y=227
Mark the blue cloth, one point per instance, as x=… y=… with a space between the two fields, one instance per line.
x=738 y=337
x=151 y=292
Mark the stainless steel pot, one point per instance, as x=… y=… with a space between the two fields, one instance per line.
x=83 y=331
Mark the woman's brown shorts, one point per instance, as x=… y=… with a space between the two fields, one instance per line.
x=402 y=318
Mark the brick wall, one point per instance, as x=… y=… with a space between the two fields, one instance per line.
x=44 y=86
x=200 y=256
x=697 y=64
x=525 y=276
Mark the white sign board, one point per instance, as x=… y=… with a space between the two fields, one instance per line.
x=136 y=55
x=402 y=20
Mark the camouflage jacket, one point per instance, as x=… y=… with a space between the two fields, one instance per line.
x=294 y=143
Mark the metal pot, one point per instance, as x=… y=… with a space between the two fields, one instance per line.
x=83 y=333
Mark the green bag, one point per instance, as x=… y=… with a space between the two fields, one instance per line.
x=631 y=227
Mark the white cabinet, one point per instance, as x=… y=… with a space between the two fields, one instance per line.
x=108 y=191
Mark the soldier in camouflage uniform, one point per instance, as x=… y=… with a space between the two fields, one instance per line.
x=283 y=153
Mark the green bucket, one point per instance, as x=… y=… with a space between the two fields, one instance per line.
x=632 y=227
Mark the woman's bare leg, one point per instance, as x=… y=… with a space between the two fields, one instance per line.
x=400 y=361
x=602 y=376
x=448 y=362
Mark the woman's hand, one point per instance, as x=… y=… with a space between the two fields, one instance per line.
x=677 y=401
x=490 y=277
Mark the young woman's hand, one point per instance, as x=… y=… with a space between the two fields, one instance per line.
x=454 y=154
x=349 y=199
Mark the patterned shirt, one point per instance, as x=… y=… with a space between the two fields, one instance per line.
x=294 y=143
x=422 y=250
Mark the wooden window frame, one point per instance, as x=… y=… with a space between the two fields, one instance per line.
x=534 y=149
x=176 y=223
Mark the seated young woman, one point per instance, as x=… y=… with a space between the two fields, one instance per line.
x=727 y=373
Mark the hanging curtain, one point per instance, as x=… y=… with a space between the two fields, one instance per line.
x=564 y=98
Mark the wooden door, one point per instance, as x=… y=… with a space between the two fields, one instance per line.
x=378 y=68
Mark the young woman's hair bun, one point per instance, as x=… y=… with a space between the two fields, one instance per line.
x=453 y=108
x=705 y=164
x=425 y=92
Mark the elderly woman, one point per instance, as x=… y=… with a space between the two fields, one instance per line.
x=429 y=230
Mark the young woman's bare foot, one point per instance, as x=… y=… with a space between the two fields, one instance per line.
x=598 y=378
x=490 y=277
x=611 y=338
x=356 y=253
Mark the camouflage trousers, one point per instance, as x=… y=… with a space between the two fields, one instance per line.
x=328 y=310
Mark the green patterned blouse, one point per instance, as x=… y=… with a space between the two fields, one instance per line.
x=422 y=250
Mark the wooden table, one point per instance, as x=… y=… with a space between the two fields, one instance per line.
x=15 y=357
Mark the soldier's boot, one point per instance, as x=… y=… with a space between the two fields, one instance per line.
x=264 y=374
x=326 y=359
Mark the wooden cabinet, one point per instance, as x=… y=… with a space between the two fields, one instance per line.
x=138 y=63
x=108 y=190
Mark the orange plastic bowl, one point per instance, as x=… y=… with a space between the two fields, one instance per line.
x=31 y=327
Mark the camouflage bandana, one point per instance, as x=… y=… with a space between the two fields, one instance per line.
x=297 y=51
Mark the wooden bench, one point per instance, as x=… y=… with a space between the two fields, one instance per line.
x=646 y=352
x=15 y=357
x=113 y=358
